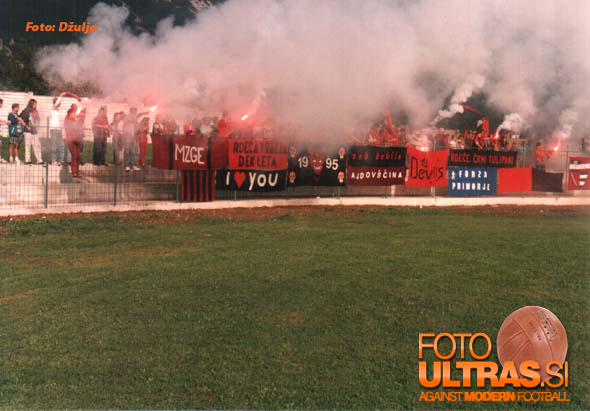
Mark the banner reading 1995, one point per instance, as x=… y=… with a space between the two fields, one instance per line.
x=312 y=166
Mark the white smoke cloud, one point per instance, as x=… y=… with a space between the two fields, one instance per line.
x=461 y=95
x=567 y=120
x=513 y=122
x=326 y=66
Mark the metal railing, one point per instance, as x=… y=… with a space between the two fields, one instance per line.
x=51 y=185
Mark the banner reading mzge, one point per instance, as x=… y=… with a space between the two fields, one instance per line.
x=427 y=168
x=376 y=166
x=251 y=154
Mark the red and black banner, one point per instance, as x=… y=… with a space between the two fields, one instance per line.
x=252 y=154
x=376 y=166
x=370 y=156
x=190 y=153
x=248 y=180
x=515 y=180
x=547 y=182
x=197 y=186
x=375 y=176
x=162 y=146
x=579 y=173
x=180 y=152
x=312 y=167
x=479 y=158
x=427 y=168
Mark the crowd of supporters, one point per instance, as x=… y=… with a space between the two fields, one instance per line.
x=129 y=133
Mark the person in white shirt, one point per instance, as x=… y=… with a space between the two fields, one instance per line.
x=59 y=151
x=30 y=116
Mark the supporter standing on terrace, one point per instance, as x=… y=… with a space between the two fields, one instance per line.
x=130 y=143
x=30 y=116
x=59 y=153
x=2 y=122
x=206 y=128
x=158 y=127
x=15 y=133
x=188 y=127
x=225 y=127
x=540 y=155
x=117 y=128
x=74 y=135
x=100 y=130
x=142 y=135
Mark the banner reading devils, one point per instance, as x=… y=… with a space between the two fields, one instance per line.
x=427 y=169
x=479 y=158
x=311 y=166
x=251 y=154
x=376 y=166
x=579 y=170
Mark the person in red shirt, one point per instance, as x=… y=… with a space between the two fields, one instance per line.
x=388 y=134
x=540 y=155
x=100 y=129
x=225 y=127
x=142 y=134
x=188 y=128
x=73 y=140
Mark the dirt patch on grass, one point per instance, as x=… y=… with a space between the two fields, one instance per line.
x=264 y=213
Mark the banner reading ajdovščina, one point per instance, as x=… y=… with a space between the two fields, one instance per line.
x=376 y=166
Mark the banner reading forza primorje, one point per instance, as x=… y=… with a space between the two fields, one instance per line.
x=472 y=182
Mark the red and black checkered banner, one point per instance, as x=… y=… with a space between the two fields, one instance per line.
x=579 y=173
x=252 y=154
x=427 y=168
x=311 y=166
x=479 y=158
x=197 y=186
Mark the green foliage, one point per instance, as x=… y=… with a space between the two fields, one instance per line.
x=17 y=70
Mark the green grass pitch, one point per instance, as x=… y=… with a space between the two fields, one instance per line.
x=305 y=310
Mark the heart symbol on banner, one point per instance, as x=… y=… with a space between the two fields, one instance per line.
x=239 y=178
